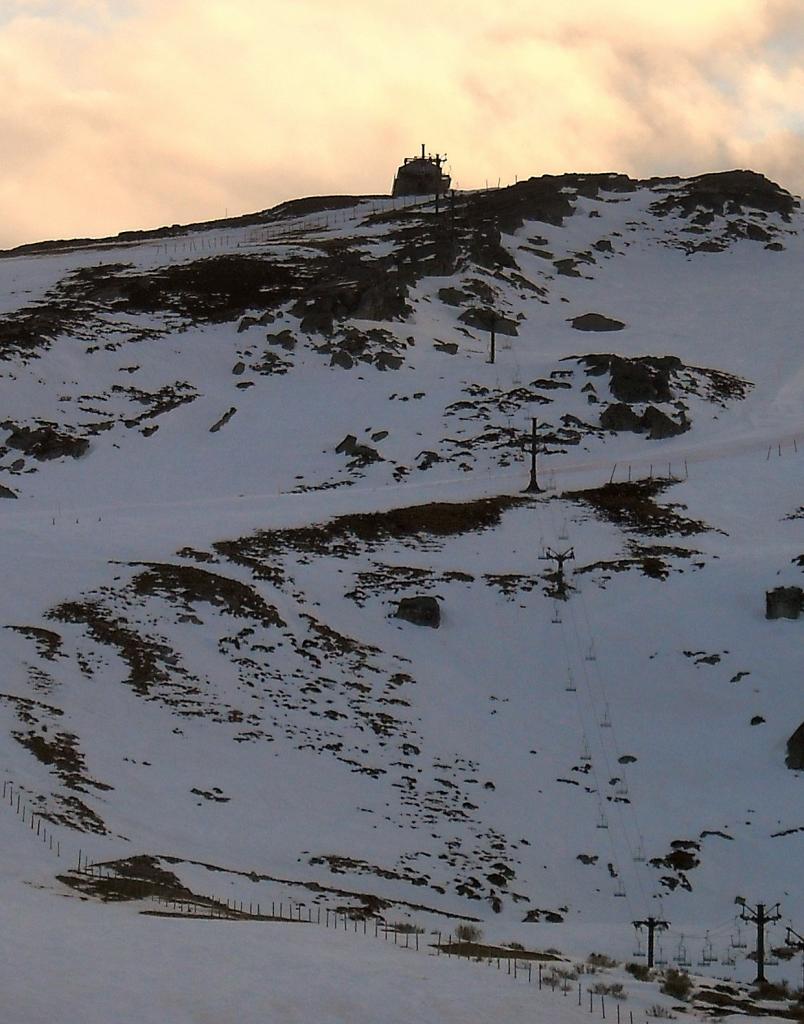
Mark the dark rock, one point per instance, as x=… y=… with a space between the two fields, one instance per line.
x=223 y=420
x=604 y=245
x=246 y=322
x=653 y=422
x=486 y=249
x=421 y=611
x=46 y=443
x=360 y=291
x=784 y=603
x=641 y=379
x=453 y=296
x=483 y=318
x=387 y=361
x=567 y=268
x=620 y=416
x=362 y=453
x=450 y=347
x=596 y=322
x=6 y=492
x=483 y=290
x=795 y=750
x=239 y=368
x=341 y=358
x=659 y=425
x=728 y=192
x=285 y=339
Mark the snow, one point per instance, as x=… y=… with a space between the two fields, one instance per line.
x=486 y=702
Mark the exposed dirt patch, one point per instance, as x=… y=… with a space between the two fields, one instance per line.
x=48 y=643
x=191 y=585
x=475 y=950
x=146 y=658
x=61 y=752
x=632 y=506
x=415 y=524
x=166 y=399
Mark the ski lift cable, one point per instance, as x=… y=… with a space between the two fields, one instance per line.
x=594 y=705
x=609 y=722
x=604 y=818
x=607 y=763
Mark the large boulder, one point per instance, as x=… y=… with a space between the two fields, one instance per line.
x=795 y=750
x=421 y=611
x=659 y=425
x=596 y=321
x=784 y=603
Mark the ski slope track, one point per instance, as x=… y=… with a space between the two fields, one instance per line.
x=229 y=451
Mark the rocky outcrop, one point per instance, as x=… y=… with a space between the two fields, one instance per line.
x=795 y=750
x=727 y=192
x=45 y=442
x=421 y=611
x=641 y=379
x=653 y=422
x=369 y=292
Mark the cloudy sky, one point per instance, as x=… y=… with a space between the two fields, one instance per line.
x=132 y=113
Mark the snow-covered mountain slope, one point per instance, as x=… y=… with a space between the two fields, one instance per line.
x=229 y=452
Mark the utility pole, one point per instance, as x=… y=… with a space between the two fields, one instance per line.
x=653 y=925
x=533 y=486
x=559 y=582
x=761 y=918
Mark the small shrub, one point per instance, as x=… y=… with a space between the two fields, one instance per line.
x=517 y=946
x=639 y=971
x=600 y=960
x=677 y=984
x=468 y=933
x=615 y=990
x=773 y=990
x=660 y=1012
x=405 y=928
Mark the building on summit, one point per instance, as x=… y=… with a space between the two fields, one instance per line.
x=421 y=176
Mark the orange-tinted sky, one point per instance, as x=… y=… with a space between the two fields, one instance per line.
x=131 y=113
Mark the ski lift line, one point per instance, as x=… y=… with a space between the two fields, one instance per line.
x=598 y=721
x=607 y=721
x=613 y=733
x=595 y=775
x=603 y=821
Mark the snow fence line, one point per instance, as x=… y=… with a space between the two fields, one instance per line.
x=207 y=907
